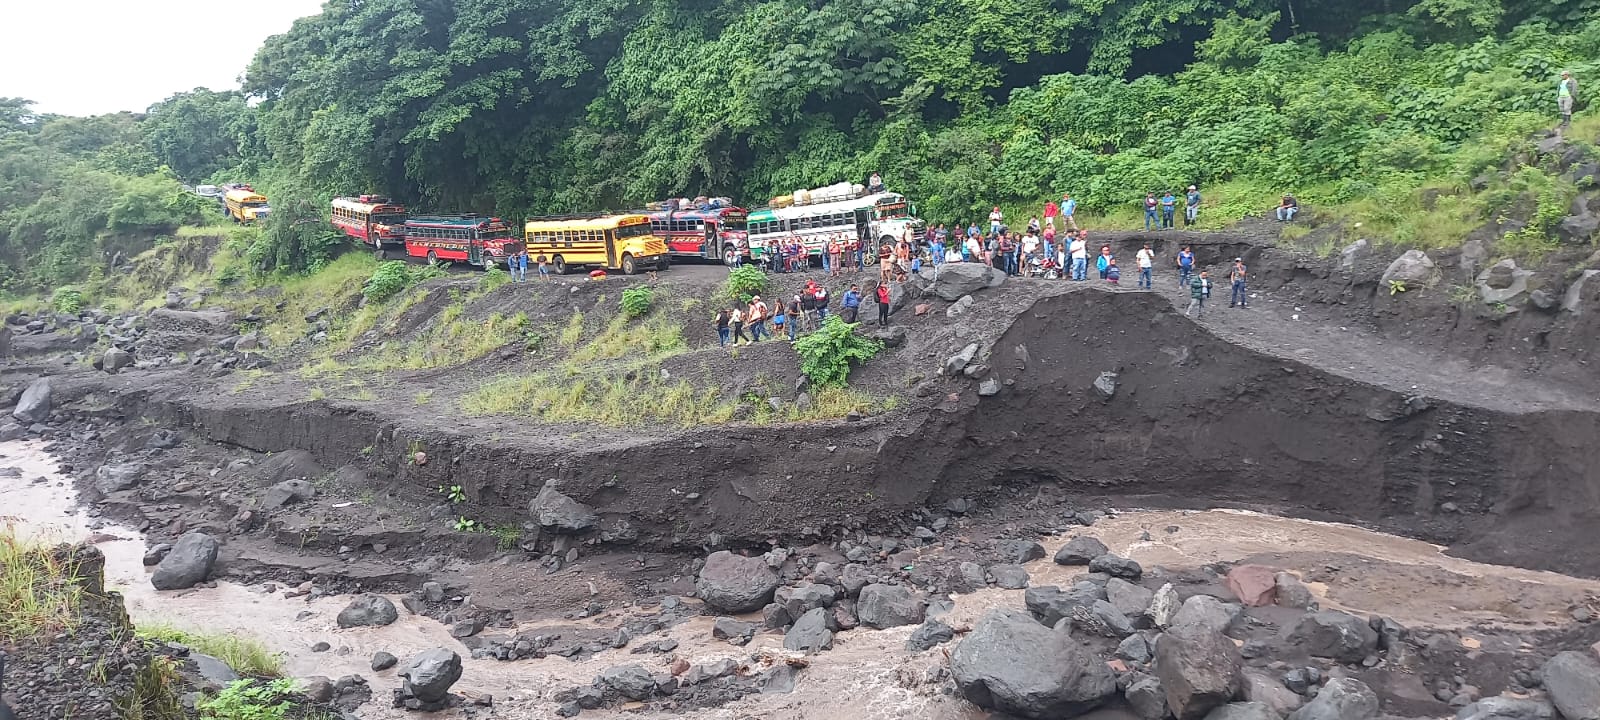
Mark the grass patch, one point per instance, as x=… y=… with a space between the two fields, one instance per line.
x=246 y=656
x=336 y=285
x=450 y=339
x=153 y=697
x=654 y=338
x=39 y=594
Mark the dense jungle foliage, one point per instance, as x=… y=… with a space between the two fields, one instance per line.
x=532 y=106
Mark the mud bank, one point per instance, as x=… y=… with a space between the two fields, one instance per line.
x=1193 y=421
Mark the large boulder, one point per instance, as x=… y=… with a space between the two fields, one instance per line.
x=810 y=633
x=1414 y=268
x=558 y=513
x=951 y=281
x=1573 y=681
x=1207 y=612
x=1116 y=566
x=886 y=606
x=633 y=681
x=1146 y=698
x=34 y=405
x=116 y=359
x=119 y=476
x=1017 y=552
x=1243 y=711
x=187 y=563
x=288 y=491
x=1259 y=688
x=1049 y=604
x=736 y=584
x=1504 y=708
x=798 y=600
x=1013 y=664
x=1340 y=699
x=1080 y=550
x=1334 y=635
x=429 y=675
x=1200 y=669
x=1502 y=282
x=368 y=609
x=1129 y=599
x=1289 y=592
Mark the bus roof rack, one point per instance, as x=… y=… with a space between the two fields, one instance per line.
x=580 y=216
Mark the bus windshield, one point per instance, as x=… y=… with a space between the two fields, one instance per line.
x=254 y=204
x=897 y=210
x=389 y=219
x=734 y=225
x=635 y=230
x=496 y=234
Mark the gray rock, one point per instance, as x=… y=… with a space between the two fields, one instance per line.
x=153 y=556
x=1009 y=577
x=1129 y=599
x=1104 y=620
x=1292 y=593
x=735 y=584
x=1208 y=612
x=1354 y=252
x=12 y=431
x=1116 y=566
x=952 y=281
x=213 y=670
x=810 y=633
x=162 y=439
x=115 y=359
x=797 y=600
x=1572 y=301
x=1414 y=268
x=317 y=689
x=1340 y=699
x=1018 y=552
x=366 y=610
x=121 y=476
x=886 y=606
x=853 y=578
x=1200 y=669
x=959 y=307
x=1134 y=649
x=1502 y=282
x=1573 y=681
x=727 y=628
x=973 y=576
x=1147 y=699
x=432 y=592
x=286 y=492
x=1106 y=384
x=1259 y=688
x=1335 y=635
x=711 y=671
x=1080 y=550
x=633 y=681
x=558 y=513
x=1244 y=711
x=34 y=405
x=247 y=342
x=428 y=676
x=1049 y=604
x=775 y=617
x=954 y=364
x=1504 y=708
x=989 y=387
x=1013 y=664
x=187 y=563
x=929 y=634
x=383 y=661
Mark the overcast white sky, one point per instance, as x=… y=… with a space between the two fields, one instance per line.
x=86 y=57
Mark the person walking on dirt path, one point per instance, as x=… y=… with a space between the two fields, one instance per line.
x=1566 y=95
x=793 y=320
x=737 y=326
x=1191 y=206
x=780 y=318
x=808 y=304
x=1147 y=260
x=756 y=318
x=1069 y=208
x=1199 y=290
x=1185 y=266
x=1150 y=205
x=723 y=319
x=850 y=305
x=1169 y=206
x=883 y=304
x=1113 y=273
x=1237 y=276
x=544 y=267
x=519 y=267
x=822 y=305
x=1080 y=257
x=1051 y=209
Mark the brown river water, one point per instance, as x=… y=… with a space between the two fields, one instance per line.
x=868 y=675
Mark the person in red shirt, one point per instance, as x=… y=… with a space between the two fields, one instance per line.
x=1050 y=212
x=883 y=303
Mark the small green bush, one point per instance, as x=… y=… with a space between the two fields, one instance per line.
x=493 y=278
x=827 y=355
x=67 y=300
x=636 y=302
x=745 y=282
x=250 y=700
x=395 y=276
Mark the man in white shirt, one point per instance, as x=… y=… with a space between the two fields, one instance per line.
x=1080 y=258
x=1146 y=259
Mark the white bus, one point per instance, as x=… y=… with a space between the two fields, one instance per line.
x=874 y=219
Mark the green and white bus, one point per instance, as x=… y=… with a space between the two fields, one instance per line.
x=872 y=218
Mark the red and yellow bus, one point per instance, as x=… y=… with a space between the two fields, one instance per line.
x=475 y=240
x=371 y=220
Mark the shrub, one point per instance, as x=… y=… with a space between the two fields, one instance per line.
x=637 y=301
x=827 y=355
x=250 y=700
x=67 y=300
x=745 y=282
x=394 y=276
x=493 y=278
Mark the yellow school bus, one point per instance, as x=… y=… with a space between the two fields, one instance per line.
x=613 y=242
x=245 y=205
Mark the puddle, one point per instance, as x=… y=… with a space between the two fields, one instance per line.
x=867 y=675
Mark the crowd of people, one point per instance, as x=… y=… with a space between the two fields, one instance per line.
x=806 y=311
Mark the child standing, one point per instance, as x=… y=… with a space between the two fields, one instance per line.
x=1199 y=290
x=1113 y=273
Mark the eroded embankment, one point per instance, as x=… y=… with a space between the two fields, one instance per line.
x=1194 y=421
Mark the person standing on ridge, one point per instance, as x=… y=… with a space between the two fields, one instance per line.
x=736 y=325
x=1113 y=273
x=851 y=304
x=794 y=318
x=1050 y=212
x=1191 y=206
x=1185 y=265
x=1150 y=205
x=1566 y=95
x=1147 y=260
x=724 y=317
x=883 y=304
x=1080 y=257
x=1169 y=208
x=1199 y=290
x=1069 y=207
x=757 y=319
x=995 y=216
x=1237 y=276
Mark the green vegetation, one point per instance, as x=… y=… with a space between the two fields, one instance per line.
x=153 y=696
x=827 y=355
x=39 y=591
x=744 y=283
x=247 y=699
x=392 y=277
x=636 y=302
x=246 y=656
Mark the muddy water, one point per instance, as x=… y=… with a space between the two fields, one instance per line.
x=867 y=675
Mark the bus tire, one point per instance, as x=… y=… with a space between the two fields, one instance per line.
x=664 y=263
x=433 y=258
x=559 y=264
x=629 y=265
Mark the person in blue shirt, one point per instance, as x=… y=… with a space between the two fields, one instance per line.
x=1185 y=265
x=1191 y=206
x=1068 y=208
x=852 y=303
x=1169 y=207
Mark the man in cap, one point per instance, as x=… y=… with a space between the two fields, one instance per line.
x=1237 y=276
